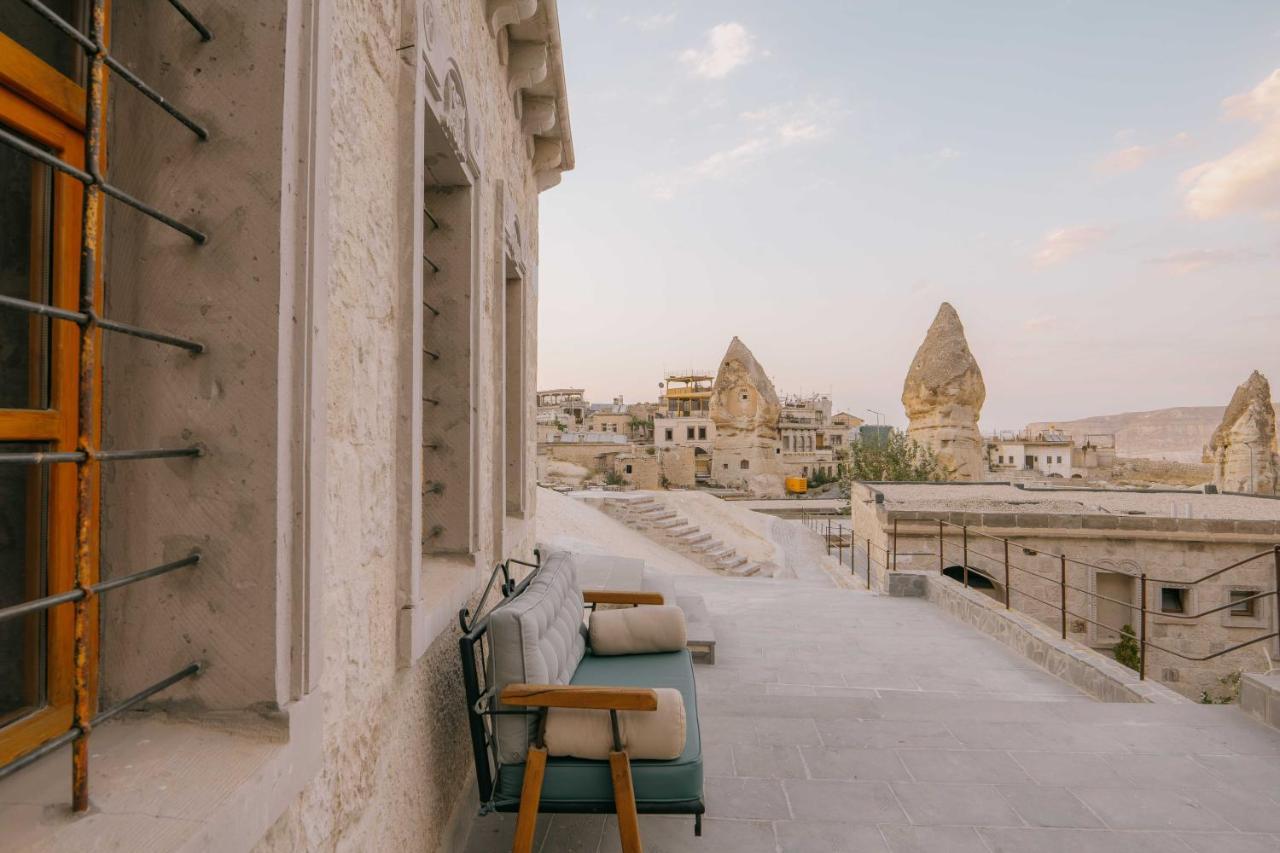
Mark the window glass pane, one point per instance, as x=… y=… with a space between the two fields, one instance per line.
x=24 y=540
x=1242 y=608
x=26 y=218
x=29 y=29
x=1172 y=599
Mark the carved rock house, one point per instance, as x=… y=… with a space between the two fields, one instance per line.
x=268 y=297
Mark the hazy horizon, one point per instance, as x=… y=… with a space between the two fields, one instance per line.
x=1096 y=189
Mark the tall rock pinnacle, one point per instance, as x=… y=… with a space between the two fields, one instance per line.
x=745 y=409
x=1243 y=447
x=943 y=395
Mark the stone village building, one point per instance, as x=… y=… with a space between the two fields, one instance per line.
x=348 y=456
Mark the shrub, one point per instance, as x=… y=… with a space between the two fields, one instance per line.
x=1127 y=651
x=895 y=457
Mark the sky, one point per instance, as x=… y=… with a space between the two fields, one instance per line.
x=1095 y=187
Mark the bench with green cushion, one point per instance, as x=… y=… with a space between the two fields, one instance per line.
x=665 y=787
x=532 y=651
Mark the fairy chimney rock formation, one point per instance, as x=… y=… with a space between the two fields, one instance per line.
x=1243 y=447
x=943 y=395
x=745 y=409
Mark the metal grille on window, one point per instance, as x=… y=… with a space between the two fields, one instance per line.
x=88 y=324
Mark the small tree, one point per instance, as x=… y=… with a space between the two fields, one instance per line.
x=1126 y=650
x=894 y=456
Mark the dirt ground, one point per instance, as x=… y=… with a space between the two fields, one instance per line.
x=1158 y=472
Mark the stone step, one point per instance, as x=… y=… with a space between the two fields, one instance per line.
x=669 y=523
x=729 y=563
x=706 y=547
x=745 y=569
x=641 y=501
x=657 y=507
x=662 y=516
x=721 y=553
x=699 y=539
x=681 y=532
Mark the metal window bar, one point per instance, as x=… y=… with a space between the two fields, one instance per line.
x=1141 y=637
x=86 y=457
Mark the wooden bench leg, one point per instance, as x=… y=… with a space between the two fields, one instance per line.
x=535 y=766
x=624 y=800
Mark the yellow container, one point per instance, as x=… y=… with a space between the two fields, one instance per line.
x=797 y=485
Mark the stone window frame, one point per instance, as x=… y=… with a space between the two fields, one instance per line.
x=433 y=584
x=1261 y=617
x=1157 y=612
x=1118 y=567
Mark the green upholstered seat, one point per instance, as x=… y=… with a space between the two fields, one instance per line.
x=575 y=785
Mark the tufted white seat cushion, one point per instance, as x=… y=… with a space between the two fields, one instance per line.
x=536 y=638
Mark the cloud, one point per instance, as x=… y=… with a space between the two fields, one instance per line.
x=769 y=130
x=728 y=47
x=1125 y=160
x=650 y=22
x=1062 y=243
x=1195 y=260
x=1248 y=177
x=724 y=162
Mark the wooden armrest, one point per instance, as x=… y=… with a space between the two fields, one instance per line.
x=620 y=596
x=580 y=696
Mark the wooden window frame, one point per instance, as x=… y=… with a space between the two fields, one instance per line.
x=48 y=108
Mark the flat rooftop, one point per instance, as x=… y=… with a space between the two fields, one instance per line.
x=1006 y=498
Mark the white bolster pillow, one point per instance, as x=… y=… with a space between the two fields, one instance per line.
x=582 y=733
x=637 y=630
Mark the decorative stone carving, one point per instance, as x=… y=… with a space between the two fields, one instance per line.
x=745 y=409
x=538 y=114
x=526 y=65
x=943 y=395
x=503 y=13
x=527 y=37
x=546 y=154
x=445 y=93
x=1243 y=447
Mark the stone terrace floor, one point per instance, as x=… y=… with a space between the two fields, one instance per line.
x=839 y=720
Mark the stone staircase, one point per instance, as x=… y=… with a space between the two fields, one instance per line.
x=651 y=516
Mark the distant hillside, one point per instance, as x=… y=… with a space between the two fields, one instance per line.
x=1178 y=434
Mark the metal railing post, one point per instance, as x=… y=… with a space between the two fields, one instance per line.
x=1062 y=583
x=828 y=537
x=1142 y=630
x=964 y=562
x=941 y=559
x=895 y=544
x=868 y=563
x=840 y=544
x=1008 y=579
x=1276 y=604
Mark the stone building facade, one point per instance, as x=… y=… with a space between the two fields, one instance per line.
x=367 y=299
x=1111 y=537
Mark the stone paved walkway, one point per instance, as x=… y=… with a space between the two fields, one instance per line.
x=838 y=720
